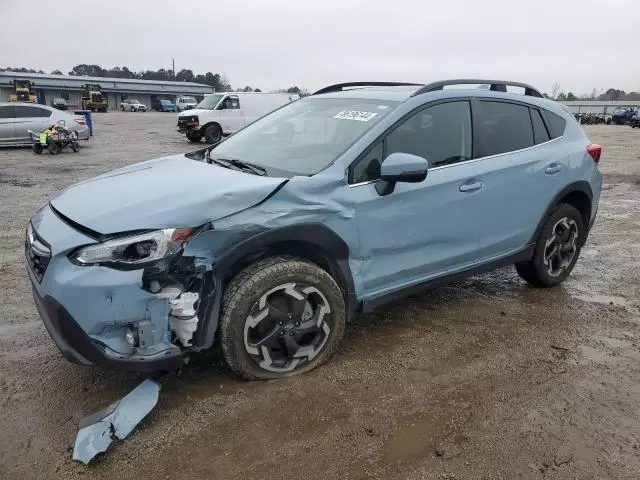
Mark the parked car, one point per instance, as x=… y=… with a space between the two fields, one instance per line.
x=635 y=120
x=60 y=104
x=623 y=115
x=16 y=119
x=222 y=114
x=185 y=103
x=164 y=106
x=271 y=240
x=132 y=105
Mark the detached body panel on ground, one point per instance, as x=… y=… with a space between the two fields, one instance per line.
x=334 y=203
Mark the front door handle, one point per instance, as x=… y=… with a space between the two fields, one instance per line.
x=470 y=187
x=553 y=168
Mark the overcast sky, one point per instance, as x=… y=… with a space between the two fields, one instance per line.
x=582 y=44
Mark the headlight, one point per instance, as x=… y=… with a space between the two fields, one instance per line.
x=134 y=250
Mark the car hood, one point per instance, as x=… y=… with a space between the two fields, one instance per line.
x=168 y=192
x=194 y=111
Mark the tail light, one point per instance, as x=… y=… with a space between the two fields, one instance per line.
x=595 y=151
x=80 y=121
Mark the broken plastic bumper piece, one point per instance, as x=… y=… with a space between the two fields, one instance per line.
x=97 y=431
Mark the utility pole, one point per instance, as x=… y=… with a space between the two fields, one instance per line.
x=173 y=67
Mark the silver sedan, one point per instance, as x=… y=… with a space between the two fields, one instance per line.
x=16 y=119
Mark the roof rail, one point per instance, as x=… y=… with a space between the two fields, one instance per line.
x=341 y=86
x=496 y=86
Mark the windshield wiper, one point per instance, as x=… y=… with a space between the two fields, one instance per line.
x=225 y=162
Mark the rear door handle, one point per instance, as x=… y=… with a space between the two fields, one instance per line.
x=470 y=187
x=553 y=168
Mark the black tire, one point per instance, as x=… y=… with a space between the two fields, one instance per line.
x=241 y=303
x=213 y=134
x=542 y=274
x=75 y=146
x=121 y=108
x=133 y=109
x=37 y=148
x=53 y=148
x=194 y=137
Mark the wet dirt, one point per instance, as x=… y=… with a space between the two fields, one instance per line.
x=485 y=378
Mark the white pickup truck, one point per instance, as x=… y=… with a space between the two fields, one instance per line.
x=221 y=114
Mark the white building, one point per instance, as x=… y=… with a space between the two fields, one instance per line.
x=48 y=87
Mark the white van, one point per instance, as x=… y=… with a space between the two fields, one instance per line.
x=185 y=103
x=225 y=113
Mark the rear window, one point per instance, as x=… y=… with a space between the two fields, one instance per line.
x=503 y=127
x=557 y=124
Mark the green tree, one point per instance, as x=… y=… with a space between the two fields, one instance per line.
x=185 y=76
x=571 y=97
x=56 y=72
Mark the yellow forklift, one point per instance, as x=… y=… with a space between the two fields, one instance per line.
x=24 y=92
x=93 y=99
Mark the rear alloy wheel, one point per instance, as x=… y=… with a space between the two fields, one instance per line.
x=213 y=134
x=557 y=248
x=281 y=316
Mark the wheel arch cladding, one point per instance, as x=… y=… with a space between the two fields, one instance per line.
x=577 y=194
x=313 y=242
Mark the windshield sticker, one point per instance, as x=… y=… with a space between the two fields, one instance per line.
x=354 y=115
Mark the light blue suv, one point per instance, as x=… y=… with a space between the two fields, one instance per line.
x=271 y=240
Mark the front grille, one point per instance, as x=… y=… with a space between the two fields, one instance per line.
x=37 y=253
x=187 y=121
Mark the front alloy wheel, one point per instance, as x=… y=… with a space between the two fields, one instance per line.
x=280 y=316
x=288 y=326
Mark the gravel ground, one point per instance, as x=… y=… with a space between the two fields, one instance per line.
x=486 y=378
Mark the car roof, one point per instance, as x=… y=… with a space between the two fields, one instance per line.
x=26 y=104
x=403 y=92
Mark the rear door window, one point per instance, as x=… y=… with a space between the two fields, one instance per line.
x=502 y=127
x=557 y=124
x=23 y=111
x=540 y=133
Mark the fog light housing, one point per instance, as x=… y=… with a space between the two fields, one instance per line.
x=131 y=336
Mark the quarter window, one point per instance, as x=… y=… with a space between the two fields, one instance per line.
x=503 y=127
x=368 y=167
x=540 y=134
x=441 y=134
x=557 y=124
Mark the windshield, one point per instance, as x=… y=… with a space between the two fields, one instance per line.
x=210 y=101
x=188 y=100
x=164 y=102
x=306 y=135
x=134 y=101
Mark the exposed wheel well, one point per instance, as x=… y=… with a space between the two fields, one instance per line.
x=305 y=250
x=581 y=201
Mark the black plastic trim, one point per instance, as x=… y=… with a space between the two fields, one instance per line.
x=521 y=256
x=316 y=234
x=338 y=87
x=495 y=85
x=580 y=186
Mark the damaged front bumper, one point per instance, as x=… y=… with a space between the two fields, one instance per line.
x=92 y=312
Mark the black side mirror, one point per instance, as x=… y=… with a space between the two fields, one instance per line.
x=401 y=167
